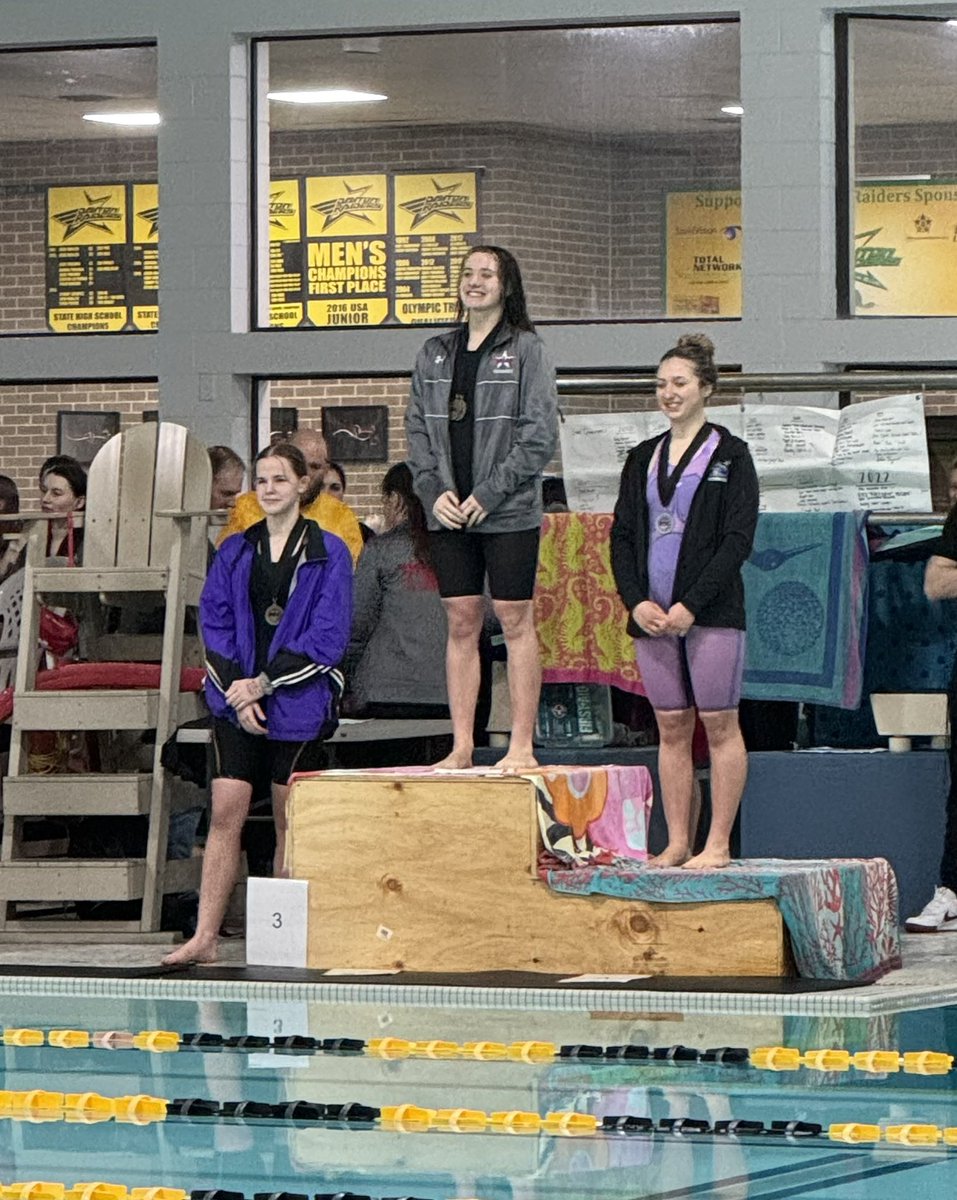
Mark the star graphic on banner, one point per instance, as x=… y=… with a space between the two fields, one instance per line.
x=97 y=215
x=151 y=215
x=279 y=208
x=444 y=201
x=923 y=223
x=352 y=204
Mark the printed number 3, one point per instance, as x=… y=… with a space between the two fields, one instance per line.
x=277 y=920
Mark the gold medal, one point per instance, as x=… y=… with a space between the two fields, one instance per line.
x=273 y=614
x=457 y=407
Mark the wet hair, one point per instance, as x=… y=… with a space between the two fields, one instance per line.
x=698 y=349
x=513 y=290
x=67 y=468
x=337 y=467
x=397 y=481
x=221 y=457
x=9 y=495
x=285 y=450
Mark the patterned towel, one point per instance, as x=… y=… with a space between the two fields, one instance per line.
x=841 y=913
x=594 y=814
x=580 y=619
x=805 y=595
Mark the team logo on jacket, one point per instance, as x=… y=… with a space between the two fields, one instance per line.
x=503 y=364
x=719 y=471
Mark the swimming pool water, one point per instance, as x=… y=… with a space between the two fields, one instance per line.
x=268 y=1157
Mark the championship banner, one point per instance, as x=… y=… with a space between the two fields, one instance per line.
x=287 y=273
x=703 y=254
x=347 y=250
x=87 y=259
x=433 y=218
x=143 y=284
x=905 y=249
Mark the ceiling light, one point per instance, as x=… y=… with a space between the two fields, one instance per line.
x=327 y=96
x=120 y=118
x=951 y=22
x=733 y=110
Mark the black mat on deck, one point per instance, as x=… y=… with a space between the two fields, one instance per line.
x=497 y=980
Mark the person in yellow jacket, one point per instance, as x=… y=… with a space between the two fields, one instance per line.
x=319 y=506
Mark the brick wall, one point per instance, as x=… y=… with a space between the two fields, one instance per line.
x=28 y=422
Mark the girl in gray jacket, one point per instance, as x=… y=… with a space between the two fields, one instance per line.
x=482 y=424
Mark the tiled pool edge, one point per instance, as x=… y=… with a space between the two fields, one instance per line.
x=843 y=1003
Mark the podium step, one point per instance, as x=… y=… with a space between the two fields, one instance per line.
x=128 y=708
x=72 y=795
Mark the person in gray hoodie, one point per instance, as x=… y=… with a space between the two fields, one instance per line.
x=482 y=424
x=395 y=663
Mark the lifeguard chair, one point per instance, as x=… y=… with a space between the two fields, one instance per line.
x=144 y=535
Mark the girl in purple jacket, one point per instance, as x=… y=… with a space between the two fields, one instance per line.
x=275 y=615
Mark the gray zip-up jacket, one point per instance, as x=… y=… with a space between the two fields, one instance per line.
x=516 y=428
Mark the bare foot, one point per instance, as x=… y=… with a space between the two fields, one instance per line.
x=196 y=950
x=708 y=859
x=516 y=761
x=458 y=760
x=671 y=856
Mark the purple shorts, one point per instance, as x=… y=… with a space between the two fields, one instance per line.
x=702 y=670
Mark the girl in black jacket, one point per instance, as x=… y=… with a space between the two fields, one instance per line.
x=684 y=523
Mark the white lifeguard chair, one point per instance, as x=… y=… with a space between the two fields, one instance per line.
x=144 y=533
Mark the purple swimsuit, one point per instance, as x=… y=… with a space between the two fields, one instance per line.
x=704 y=668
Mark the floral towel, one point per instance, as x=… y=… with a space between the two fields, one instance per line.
x=841 y=913
x=580 y=619
x=594 y=814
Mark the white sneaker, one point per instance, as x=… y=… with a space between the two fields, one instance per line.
x=939 y=916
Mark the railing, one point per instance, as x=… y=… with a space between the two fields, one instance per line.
x=826 y=381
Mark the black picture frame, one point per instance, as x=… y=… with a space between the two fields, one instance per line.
x=357 y=433
x=82 y=434
x=283 y=423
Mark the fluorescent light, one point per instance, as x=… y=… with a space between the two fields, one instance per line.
x=951 y=22
x=128 y=118
x=327 y=96
x=733 y=110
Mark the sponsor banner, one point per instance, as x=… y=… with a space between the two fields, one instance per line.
x=286 y=254
x=703 y=254
x=143 y=288
x=905 y=249
x=87 y=266
x=435 y=220
x=347 y=249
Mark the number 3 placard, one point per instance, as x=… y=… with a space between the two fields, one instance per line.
x=277 y=919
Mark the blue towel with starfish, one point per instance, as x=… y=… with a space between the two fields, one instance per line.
x=805 y=588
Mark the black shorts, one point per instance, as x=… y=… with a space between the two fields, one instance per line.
x=246 y=756
x=462 y=558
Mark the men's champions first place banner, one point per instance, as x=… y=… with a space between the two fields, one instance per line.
x=354 y=250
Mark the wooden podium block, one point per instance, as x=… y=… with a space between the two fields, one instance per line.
x=436 y=873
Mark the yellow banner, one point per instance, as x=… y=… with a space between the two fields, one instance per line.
x=346 y=205
x=703 y=254
x=435 y=203
x=347 y=314
x=905 y=249
x=145 y=212
x=284 y=216
x=86 y=216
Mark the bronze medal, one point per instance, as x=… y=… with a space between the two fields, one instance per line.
x=457 y=407
x=273 y=614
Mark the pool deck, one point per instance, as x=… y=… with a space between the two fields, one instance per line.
x=927 y=979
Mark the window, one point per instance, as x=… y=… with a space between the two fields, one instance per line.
x=903 y=166
x=601 y=157
x=79 y=221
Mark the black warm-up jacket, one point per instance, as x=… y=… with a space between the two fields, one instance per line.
x=717 y=538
